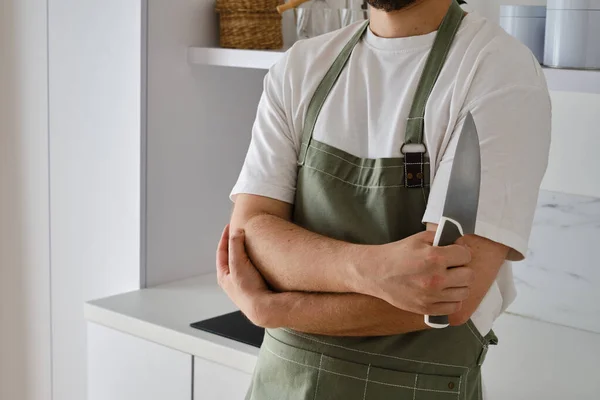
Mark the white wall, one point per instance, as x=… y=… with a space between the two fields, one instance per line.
x=574 y=163
x=199 y=125
x=94 y=168
x=25 y=354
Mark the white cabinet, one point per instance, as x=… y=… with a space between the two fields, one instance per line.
x=216 y=382
x=124 y=367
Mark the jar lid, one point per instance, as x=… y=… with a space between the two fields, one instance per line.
x=581 y=5
x=522 y=11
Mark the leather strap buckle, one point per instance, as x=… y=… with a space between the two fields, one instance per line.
x=414 y=165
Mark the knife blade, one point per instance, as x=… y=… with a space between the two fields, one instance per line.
x=462 y=199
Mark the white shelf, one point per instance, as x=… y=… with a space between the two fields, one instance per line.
x=563 y=80
x=259 y=59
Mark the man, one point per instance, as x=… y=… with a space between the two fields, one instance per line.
x=339 y=196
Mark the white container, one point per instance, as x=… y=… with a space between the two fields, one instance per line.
x=311 y=22
x=526 y=23
x=573 y=34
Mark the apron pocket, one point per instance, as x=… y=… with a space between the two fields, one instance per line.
x=388 y=384
x=344 y=380
x=341 y=380
x=284 y=372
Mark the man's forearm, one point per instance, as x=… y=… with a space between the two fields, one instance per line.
x=294 y=259
x=338 y=315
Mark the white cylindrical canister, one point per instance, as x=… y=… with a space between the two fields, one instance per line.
x=526 y=23
x=573 y=34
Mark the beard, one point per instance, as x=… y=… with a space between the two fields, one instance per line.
x=390 y=5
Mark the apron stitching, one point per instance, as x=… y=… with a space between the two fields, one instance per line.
x=474 y=334
x=367 y=382
x=411 y=118
x=410 y=387
x=415 y=389
x=318 y=375
x=423 y=174
x=360 y=166
x=353 y=184
x=354 y=377
x=422 y=163
x=311 y=366
x=466 y=379
x=459 y=385
x=360 y=172
x=373 y=354
x=405 y=175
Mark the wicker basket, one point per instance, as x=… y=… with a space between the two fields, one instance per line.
x=250 y=24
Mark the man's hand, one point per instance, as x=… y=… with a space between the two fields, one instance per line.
x=415 y=276
x=239 y=278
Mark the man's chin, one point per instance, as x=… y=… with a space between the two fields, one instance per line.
x=390 y=5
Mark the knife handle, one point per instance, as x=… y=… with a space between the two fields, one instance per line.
x=448 y=232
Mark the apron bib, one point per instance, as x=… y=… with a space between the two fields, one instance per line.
x=370 y=201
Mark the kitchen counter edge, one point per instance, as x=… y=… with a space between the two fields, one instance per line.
x=162 y=315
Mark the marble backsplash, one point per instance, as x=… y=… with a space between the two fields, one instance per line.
x=559 y=281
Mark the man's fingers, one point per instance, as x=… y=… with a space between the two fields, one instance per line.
x=459 y=277
x=454 y=255
x=455 y=294
x=223 y=254
x=427 y=236
x=237 y=251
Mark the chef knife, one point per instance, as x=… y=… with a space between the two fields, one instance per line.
x=462 y=199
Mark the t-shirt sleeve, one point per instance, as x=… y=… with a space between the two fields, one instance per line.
x=514 y=125
x=270 y=167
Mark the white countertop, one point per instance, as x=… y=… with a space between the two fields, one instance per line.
x=163 y=315
x=560 y=361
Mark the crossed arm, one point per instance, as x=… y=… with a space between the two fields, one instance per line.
x=320 y=285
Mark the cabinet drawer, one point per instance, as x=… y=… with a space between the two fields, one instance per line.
x=124 y=367
x=213 y=381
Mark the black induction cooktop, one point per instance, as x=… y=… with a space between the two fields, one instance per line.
x=233 y=326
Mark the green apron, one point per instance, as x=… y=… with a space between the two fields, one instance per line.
x=370 y=201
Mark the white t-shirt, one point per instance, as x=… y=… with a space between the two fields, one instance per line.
x=487 y=72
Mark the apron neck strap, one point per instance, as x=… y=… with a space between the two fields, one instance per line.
x=415 y=125
x=318 y=99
